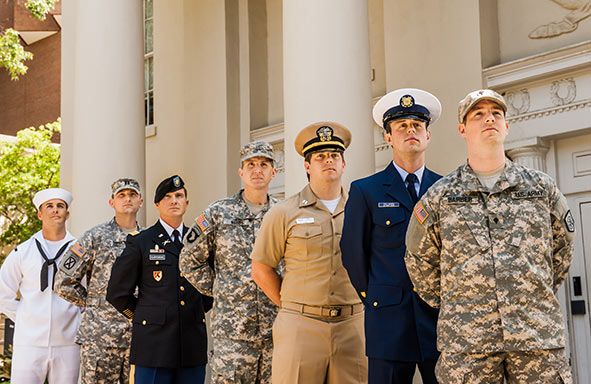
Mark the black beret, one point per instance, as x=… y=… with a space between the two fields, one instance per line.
x=170 y=184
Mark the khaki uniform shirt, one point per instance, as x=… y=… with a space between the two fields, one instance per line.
x=303 y=232
x=492 y=260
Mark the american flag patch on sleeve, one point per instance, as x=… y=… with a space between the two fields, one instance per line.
x=78 y=250
x=420 y=212
x=202 y=222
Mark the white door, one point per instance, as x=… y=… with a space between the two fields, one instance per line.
x=573 y=160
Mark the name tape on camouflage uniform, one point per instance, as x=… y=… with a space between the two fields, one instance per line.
x=527 y=194
x=420 y=212
x=388 y=204
x=461 y=199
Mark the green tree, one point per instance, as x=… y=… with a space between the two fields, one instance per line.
x=27 y=165
x=12 y=53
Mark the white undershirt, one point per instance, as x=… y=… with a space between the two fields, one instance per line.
x=53 y=247
x=331 y=204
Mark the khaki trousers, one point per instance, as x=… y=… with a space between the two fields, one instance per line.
x=313 y=350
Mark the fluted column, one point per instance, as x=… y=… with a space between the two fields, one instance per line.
x=532 y=154
x=102 y=103
x=327 y=77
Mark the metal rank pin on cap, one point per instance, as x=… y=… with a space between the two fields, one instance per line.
x=407 y=103
x=322 y=136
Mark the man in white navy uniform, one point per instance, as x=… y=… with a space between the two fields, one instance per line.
x=45 y=324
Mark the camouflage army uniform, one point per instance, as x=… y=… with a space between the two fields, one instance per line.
x=242 y=315
x=104 y=333
x=492 y=261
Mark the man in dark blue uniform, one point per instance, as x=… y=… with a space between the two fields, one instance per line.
x=169 y=340
x=400 y=328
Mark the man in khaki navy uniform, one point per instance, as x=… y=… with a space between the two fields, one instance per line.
x=318 y=333
x=104 y=334
x=490 y=244
x=168 y=340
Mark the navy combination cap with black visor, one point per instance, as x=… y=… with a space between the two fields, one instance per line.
x=407 y=103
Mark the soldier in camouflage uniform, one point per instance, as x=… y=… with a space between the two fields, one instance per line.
x=490 y=244
x=104 y=333
x=242 y=316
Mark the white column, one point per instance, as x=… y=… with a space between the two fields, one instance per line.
x=105 y=125
x=532 y=155
x=327 y=77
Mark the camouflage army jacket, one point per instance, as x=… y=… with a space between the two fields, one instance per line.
x=225 y=232
x=492 y=260
x=92 y=257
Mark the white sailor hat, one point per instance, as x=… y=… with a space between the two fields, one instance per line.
x=50 y=194
x=407 y=103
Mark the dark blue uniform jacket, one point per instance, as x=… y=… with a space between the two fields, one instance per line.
x=398 y=324
x=169 y=313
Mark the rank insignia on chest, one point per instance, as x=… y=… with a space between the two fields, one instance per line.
x=420 y=212
x=388 y=204
x=157 y=275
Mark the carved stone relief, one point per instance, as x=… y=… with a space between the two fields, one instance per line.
x=579 y=10
x=518 y=102
x=563 y=91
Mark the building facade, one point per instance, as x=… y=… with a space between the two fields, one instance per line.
x=212 y=75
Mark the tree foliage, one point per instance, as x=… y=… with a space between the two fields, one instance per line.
x=27 y=165
x=12 y=52
x=40 y=8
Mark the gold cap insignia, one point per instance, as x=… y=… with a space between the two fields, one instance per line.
x=325 y=133
x=407 y=101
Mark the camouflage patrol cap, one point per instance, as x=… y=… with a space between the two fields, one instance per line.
x=257 y=149
x=125 y=183
x=466 y=104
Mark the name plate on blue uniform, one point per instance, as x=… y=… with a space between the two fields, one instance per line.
x=157 y=256
x=388 y=204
